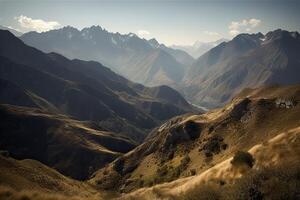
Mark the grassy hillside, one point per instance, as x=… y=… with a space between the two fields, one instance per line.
x=274 y=175
x=30 y=179
x=191 y=144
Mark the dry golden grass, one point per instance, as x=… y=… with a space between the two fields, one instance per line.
x=282 y=150
x=263 y=121
x=30 y=179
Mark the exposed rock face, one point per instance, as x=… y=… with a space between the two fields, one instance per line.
x=285 y=103
x=188 y=131
x=240 y=109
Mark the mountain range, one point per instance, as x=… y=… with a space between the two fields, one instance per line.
x=143 y=61
x=248 y=60
x=53 y=108
x=74 y=129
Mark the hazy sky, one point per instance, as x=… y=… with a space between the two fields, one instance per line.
x=170 y=22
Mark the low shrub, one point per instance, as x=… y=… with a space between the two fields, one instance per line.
x=192 y=129
x=242 y=158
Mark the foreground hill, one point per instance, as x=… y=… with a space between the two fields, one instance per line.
x=248 y=60
x=193 y=144
x=73 y=147
x=82 y=90
x=275 y=175
x=140 y=60
x=30 y=179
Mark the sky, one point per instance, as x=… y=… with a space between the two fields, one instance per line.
x=180 y=22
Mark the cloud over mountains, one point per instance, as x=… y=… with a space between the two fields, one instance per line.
x=245 y=25
x=38 y=25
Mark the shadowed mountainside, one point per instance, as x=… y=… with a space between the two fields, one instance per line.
x=83 y=90
x=75 y=148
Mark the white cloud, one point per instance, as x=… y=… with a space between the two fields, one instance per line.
x=210 y=33
x=245 y=25
x=38 y=25
x=234 y=32
x=143 y=33
x=254 y=22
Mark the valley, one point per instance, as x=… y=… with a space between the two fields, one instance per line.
x=149 y=100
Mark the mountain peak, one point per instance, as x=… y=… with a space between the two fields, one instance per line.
x=153 y=42
x=132 y=35
x=69 y=28
x=248 y=36
x=95 y=27
x=279 y=33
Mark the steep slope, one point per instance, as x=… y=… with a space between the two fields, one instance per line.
x=65 y=85
x=154 y=68
x=249 y=60
x=13 y=31
x=139 y=60
x=179 y=55
x=30 y=179
x=192 y=144
x=273 y=176
x=72 y=147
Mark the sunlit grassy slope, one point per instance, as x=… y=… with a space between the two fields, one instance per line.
x=192 y=144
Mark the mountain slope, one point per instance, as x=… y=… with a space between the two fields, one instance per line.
x=273 y=176
x=72 y=147
x=192 y=144
x=13 y=31
x=128 y=54
x=109 y=100
x=249 y=60
x=30 y=179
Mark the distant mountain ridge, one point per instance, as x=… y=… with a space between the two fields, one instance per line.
x=248 y=60
x=198 y=48
x=140 y=60
x=209 y=82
